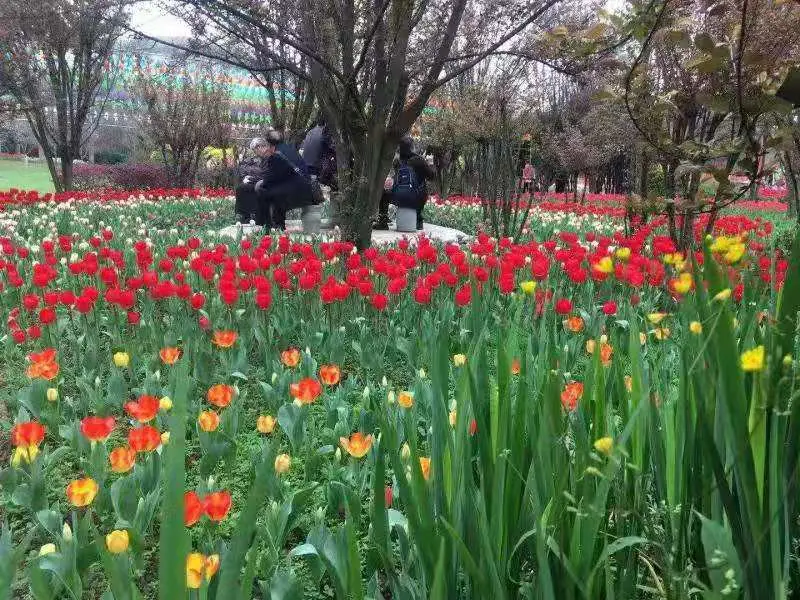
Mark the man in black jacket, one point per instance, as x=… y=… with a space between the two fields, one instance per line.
x=249 y=171
x=417 y=193
x=285 y=184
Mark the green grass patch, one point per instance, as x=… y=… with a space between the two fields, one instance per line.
x=25 y=176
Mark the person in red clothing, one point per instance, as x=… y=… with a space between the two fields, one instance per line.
x=527 y=178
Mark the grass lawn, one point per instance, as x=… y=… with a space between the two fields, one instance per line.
x=31 y=176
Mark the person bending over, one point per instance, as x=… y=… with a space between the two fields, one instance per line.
x=286 y=183
x=408 y=187
x=250 y=170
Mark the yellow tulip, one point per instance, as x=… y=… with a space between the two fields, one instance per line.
x=122 y=359
x=117 y=541
x=604 y=445
x=266 y=424
x=283 y=463
x=753 y=360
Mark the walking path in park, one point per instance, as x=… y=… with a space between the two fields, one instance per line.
x=435 y=232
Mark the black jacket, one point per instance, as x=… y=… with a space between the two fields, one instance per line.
x=422 y=170
x=282 y=183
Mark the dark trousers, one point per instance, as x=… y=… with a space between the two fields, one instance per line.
x=271 y=211
x=246 y=203
x=383 y=209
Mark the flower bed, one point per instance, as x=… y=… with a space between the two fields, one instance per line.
x=278 y=416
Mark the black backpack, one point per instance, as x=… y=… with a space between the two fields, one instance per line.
x=407 y=190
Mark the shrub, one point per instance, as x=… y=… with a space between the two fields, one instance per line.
x=128 y=176
x=110 y=157
x=137 y=176
x=91 y=177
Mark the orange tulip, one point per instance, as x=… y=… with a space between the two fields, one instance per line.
x=122 y=459
x=43 y=365
x=358 y=445
x=330 y=374
x=306 y=391
x=290 y=358
x=220 y=395
x=192 y=508
x=405 y=399
x=216 y=505
x=425 y=465
x=571 y=394
x=224 y=339
x=211 y=565
x=208 y=420
x=144 y=409
x=605 y=354
x=170 y=355
x=81 y=492
x=574 y=324
x=144 y=439
x=516 y=367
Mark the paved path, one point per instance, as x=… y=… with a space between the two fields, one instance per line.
x=436 y=232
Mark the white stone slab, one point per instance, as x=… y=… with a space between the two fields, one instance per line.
x=434 y=232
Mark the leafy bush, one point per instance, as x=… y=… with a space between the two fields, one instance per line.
x=129 y=176
x=139 y=176
x=91 y=177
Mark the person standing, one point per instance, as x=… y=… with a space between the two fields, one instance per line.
x=286 y=183
x=250 y=170
x=409 y=187
x=319 y=153
x=527 y=178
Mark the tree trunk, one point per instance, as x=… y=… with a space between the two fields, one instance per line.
x=66 y=173
x=371 y=158
x=793 y=195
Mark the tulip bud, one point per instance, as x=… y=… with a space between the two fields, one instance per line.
x=274 y=378
x=338 y=454
x=66 y=532
x=165 y=403
x=384 y=382
x=52 y=394
x=422 y=373
x=390 y=397
x=47 y=549
x=365 y=393
x=165 y=438
x=405 y=451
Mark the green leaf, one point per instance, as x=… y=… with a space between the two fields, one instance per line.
x=719 y=551
x=174 y=541
x=246 y=523
x=704 y=42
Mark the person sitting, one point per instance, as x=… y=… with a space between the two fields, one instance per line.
x=408 y=187
x=286 y=183
x=249 y=171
